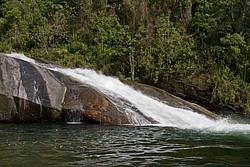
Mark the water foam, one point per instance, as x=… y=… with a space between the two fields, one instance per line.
x=21 y=57
x=161 y=113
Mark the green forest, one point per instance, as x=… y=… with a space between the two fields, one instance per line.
x=147 y=41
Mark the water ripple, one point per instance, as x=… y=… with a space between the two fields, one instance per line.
x=93 y=145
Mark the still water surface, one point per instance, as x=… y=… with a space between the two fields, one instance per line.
x=96 y=145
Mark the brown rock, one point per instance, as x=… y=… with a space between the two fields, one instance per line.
x=170 y=99
x=32 y=93
x=88 y=104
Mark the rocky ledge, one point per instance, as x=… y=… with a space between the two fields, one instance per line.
x=32 y=93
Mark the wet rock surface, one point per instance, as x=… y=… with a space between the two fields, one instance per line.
x=170 y=99
x=32 y=93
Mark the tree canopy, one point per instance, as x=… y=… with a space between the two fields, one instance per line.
x=145 y=40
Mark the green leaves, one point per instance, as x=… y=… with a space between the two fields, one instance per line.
x=171 y=51
x=229 y=90
x=235 y=53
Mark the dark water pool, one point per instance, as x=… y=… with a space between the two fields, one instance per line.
x=96 y=145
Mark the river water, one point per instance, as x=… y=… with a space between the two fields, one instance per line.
x=98 y=145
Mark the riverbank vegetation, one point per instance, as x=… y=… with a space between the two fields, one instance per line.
x=150 y=41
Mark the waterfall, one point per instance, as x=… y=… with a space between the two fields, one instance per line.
x=128 y=100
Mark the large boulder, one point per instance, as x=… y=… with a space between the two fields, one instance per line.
x=31 y=93
x=84 y=103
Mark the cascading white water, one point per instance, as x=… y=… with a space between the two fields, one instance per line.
x=161 y=113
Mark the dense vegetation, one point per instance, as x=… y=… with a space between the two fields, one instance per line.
x=144 y=40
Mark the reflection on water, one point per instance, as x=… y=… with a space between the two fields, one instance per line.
x=94 y=145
